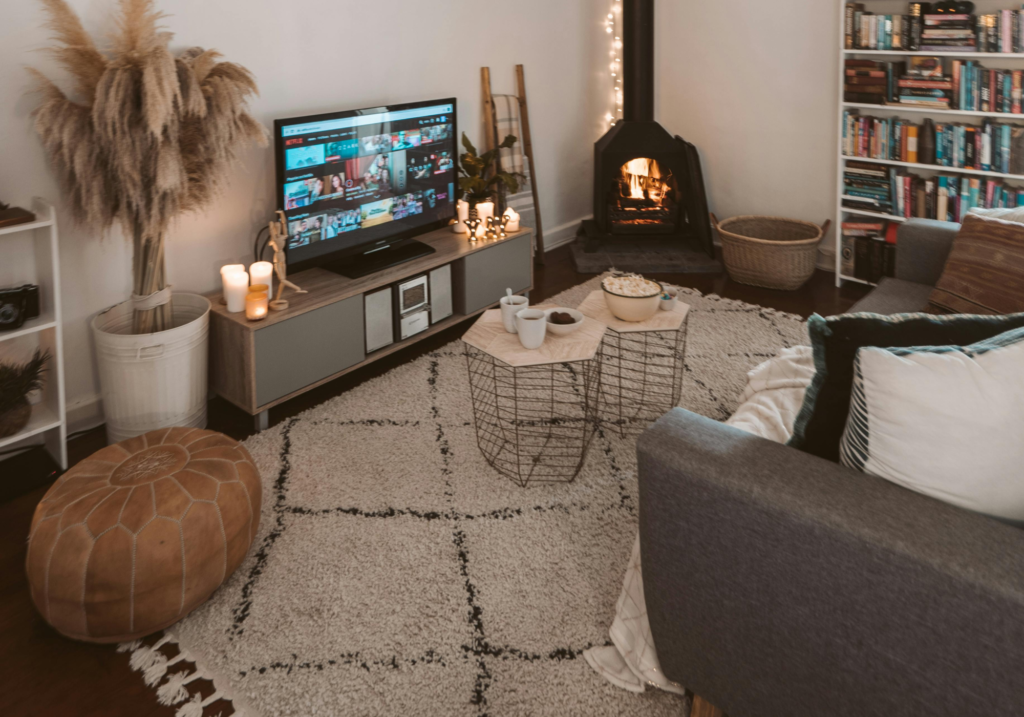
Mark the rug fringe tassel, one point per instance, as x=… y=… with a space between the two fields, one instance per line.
x=173 y=691
x=153 y=674
x=195 y=706
x=153 y=665
x=145 y=657
x=129 y=646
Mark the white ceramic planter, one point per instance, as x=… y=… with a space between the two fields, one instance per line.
x=157 y=380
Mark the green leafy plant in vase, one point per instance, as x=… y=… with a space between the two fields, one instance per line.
x=480 y=178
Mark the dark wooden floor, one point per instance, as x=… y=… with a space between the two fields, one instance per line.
x=46 y=674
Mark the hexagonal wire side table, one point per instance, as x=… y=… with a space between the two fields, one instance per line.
x=641 y=365
x=535 y=411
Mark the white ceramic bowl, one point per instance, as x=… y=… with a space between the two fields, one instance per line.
x=632 y=308
x=564 y=329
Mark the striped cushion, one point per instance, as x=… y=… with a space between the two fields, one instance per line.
x=985 y=270
x=945 y=421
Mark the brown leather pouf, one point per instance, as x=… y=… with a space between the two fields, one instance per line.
x=138 y=535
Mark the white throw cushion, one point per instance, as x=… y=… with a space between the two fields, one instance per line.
x=1014 y=214
x=944 y=421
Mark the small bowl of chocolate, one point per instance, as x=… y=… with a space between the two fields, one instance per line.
x=562 y=322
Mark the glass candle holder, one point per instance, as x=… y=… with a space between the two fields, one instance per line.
x=256 y=306
x=259 y=289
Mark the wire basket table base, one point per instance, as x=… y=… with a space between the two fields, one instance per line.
x=534 y=424
x=641 y=377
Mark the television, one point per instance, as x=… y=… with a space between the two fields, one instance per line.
x=358 y=186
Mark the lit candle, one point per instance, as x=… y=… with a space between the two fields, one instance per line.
x=224 y=271
x=484 y=210
x=474 y=226
x=460 y=227
x=256 y=305
x=236 y=286
x=262 y=272
x=513 y=220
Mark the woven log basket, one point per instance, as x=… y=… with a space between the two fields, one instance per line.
x=770 y=252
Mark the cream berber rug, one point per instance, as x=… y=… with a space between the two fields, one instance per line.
x=397 y=574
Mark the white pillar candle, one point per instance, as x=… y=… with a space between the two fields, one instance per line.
x=484 y=210
x=262 y=272
x=460 y=227
x=236 y=287
x=224 y=271
x=513 y=220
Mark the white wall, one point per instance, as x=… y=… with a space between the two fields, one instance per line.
x=754 y=85
x=310 y=57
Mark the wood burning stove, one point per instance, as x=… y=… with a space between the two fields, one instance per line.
x=647 y=182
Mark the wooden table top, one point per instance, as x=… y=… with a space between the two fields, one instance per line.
x=596 y=308
x=488 y=334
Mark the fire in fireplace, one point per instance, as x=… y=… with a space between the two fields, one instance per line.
x=644 y=199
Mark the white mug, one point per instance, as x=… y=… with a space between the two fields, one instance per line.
x=532 y=325
x=510 y=306
x=670 y=303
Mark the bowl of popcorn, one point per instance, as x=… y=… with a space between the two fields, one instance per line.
x=562 y=322
x=630 y=297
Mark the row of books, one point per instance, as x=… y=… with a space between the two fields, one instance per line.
x=1001 y=31
x=927 y=83
x=868 y=250
x=990 y=147
x=980 y=89
x=890 y=190
x=923 y=31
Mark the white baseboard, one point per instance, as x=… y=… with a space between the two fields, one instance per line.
x=85 y=413
x=562 y=234
x=826 y=259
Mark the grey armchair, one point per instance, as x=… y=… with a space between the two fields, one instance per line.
x=922 y=249
x=779 y=584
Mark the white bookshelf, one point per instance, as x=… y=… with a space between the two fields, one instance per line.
x=906 y=53
x=992 y=59
x=928 y=110
x=31 y=256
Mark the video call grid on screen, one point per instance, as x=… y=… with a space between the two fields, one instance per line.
x=348 y=179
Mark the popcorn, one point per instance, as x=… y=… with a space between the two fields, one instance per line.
x=632 y=285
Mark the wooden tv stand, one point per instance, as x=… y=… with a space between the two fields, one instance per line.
x=322 y=335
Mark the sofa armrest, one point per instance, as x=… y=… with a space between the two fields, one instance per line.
x=923 y=246
x=778 y=583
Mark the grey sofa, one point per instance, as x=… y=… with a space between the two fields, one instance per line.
x=780 y=584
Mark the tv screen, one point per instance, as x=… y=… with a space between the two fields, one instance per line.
x=351 y=179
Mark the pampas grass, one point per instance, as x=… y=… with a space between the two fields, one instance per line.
x=145 y=136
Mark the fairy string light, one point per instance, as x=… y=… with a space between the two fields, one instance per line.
x=613 y=27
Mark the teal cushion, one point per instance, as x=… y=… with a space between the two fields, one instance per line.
x=836 y=340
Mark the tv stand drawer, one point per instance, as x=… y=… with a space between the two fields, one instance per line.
x=305 y=349
x=481 y=278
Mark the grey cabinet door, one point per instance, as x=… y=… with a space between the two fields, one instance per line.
x=484 y=276
x=295 y=353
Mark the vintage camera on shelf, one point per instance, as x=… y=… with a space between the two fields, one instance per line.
x=18 y=305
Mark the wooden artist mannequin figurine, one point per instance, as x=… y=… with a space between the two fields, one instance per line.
x=278 y=237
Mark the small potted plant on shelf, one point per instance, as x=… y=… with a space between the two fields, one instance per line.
x=481 y=178
x=145 y=137
x=17 y=381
